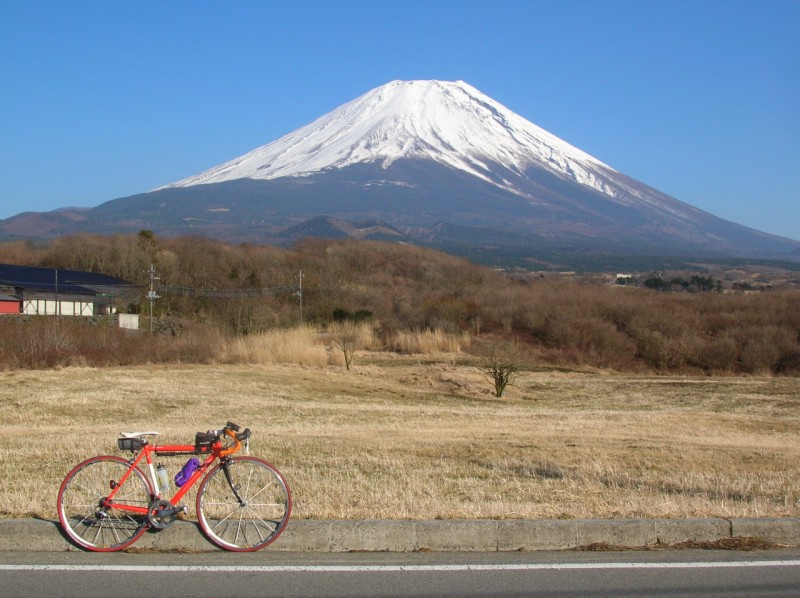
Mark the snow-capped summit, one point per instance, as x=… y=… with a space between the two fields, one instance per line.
x=451 y=123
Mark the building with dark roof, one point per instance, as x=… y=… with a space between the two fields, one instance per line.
x=52 y=291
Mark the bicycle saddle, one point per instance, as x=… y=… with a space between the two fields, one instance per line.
x=136 y=434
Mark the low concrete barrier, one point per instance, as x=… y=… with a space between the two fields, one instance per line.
x=438 y=536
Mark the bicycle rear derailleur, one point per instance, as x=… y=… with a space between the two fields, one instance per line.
x=162 y=513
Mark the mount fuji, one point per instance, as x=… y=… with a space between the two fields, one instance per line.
x=432 y=162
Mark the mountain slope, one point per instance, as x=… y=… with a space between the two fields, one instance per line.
x=425 y=157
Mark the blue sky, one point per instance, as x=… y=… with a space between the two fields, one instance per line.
x=700 y=100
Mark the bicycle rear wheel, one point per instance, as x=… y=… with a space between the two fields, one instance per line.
x=91 y=525
x=254 y=521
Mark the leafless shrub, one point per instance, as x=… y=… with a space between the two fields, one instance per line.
x=763 y=348
x=345 y=339
x=718 y=353
x=500 y=361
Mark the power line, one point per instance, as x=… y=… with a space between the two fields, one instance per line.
x=225 y=293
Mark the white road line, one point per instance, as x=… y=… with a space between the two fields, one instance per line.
x=392 y=568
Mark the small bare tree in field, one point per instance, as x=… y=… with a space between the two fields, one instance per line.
x=500 y=361
x=347 y=344
x=349 y=336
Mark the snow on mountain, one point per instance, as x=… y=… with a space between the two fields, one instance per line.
x=449 y=122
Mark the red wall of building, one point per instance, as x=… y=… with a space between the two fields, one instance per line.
x=10 y=307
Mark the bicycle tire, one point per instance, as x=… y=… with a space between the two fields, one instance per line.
x=85 y=521
x=255 y=522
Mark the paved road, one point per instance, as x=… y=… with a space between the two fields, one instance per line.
x=653 y=573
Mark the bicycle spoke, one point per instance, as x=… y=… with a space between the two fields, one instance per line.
x=116 y=534
x=225 y=519
x=238 y=529
x=99 y=532
x=89 y=489
x=265 y=524
x=264 y=489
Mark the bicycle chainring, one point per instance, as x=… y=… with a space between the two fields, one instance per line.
x=162 y=513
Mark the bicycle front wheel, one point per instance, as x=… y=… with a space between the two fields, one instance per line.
x=256 y=517
x=80 y=504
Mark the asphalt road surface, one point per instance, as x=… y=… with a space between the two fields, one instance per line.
x=618 y=574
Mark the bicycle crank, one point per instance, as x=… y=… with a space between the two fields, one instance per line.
x=162 y=513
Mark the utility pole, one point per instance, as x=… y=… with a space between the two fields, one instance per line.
x=300 y=294
x=151 y=295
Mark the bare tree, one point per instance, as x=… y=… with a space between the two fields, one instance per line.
x=500 y=361
x=345 y=338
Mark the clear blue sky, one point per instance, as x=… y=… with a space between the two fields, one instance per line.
x=103 y=99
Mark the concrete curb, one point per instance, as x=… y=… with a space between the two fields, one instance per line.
x=438 y=536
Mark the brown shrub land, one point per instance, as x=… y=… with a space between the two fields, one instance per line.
x=399 y=289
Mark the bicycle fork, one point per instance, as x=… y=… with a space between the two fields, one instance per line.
x=226 y=470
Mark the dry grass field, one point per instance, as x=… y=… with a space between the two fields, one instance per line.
x=405 y=437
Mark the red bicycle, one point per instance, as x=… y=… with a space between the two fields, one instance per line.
x=243 y=503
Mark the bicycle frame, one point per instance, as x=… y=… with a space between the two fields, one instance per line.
x=147 y=452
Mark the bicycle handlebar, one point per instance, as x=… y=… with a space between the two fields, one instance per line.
x=232 y=431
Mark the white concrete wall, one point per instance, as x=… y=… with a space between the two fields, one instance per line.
x=49 y=307
x=128 y=321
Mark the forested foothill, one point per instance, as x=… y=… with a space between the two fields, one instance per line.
x=211 y=295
